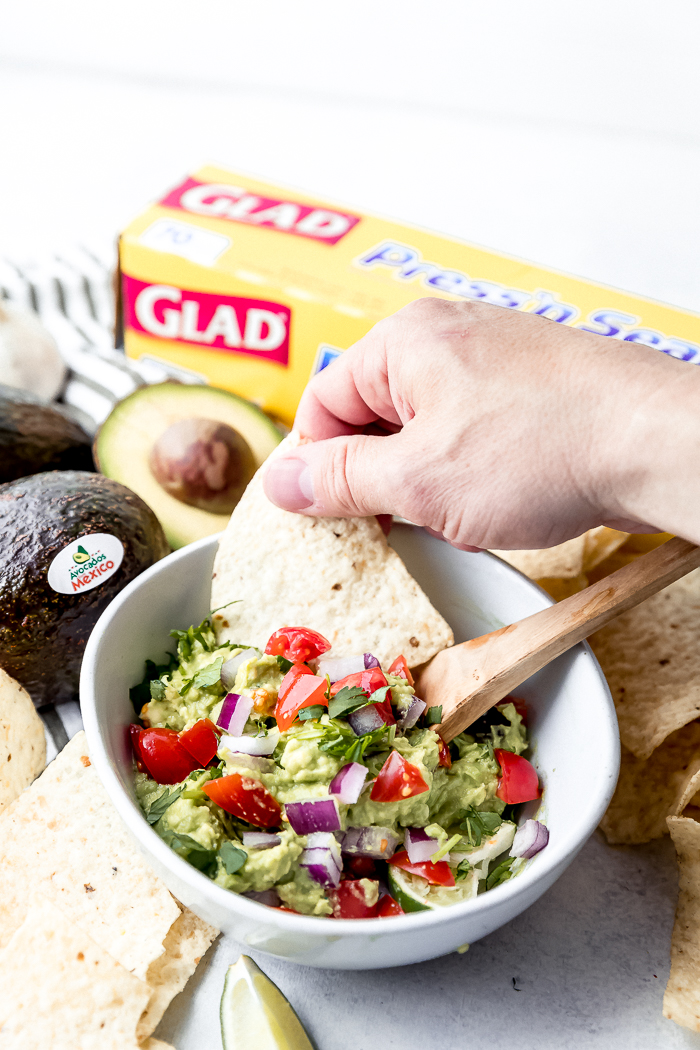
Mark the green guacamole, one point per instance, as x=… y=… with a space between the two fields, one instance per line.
x=457 y=806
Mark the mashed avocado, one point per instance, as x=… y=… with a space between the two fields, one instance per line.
x=456 y=800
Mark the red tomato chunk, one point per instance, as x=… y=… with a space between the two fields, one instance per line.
x=298 y=644
x=397 y=780
x=201 y=740
x=439 y=874
x=401 y=669
x=165 y=758
x=245 y=798
x=519 y=781
x=299 y=688
x=349 y=901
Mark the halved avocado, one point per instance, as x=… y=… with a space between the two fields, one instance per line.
x=125 y=443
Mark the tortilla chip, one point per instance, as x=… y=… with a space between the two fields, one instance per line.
x=643 y=542
x=187 y=941
x=22 y=740
x=156 y=1044
x=560 y=589
x=62 y=991
x=600 y=544
x=649 y=790
x=64 y=838
x=563 y=562
x=651 y=659
x=682 y=996
x=338 y=576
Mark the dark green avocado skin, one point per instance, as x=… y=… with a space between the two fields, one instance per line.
x=36 y=437
x=43 y=633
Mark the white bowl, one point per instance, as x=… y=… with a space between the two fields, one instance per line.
x=573 y=726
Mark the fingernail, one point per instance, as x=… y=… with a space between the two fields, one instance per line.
x=288 y=484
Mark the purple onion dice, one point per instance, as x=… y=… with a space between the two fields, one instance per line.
x=230 y=668
x=318 y=814
x=529 y=839
x=322 y=859
x=234 y=713
x=260 y=840
x=370 y=662
x=412 y=713
x=366 y=719
x=337 y=667
x=419 y=845
x=268 y=897
x=379 y=843
x=349 y=782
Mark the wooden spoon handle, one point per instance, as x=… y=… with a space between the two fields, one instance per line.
x=470 y=678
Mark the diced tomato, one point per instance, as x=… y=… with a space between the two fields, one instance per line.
x=245 y=798
x=280 y=907
x=201 y=740
x=397 y=780
x=164 y=757
x=444 y=756
x=135 y=733
x=439 y=874
x=388 y=907
x=519 y=781
x=361 y=867
x=349 y=901
x=519 y=705
x=401 y=669
x=298 y=644
x=368 y=681
x=300 y=688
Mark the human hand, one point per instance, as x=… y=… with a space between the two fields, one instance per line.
x=494 y=428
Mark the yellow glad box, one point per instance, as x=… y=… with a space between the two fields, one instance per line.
x=256 y=287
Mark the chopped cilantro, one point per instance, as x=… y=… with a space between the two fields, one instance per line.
x=160 y=805
x=315 y=711
x=340 y=740
x=433 y=716
x=204 y=634
x=232 y=857
x=347 y=699
x=500 y=874
x=477 y=825
x=289 y=877
x=463 y=869
x=207 y=676
x=285 y=664
x=140 y=694
x=199 y=856
x=157 y=689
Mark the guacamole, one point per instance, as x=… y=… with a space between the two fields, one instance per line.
x=282 y=778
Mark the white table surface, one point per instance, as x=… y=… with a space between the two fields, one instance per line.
x=568 y=134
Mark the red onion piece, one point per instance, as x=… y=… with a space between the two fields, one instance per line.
x=234 y=713
x=260 y=840
x=251 y=745
x=337 y=667
x=318 y=814
x=419 y=845
x=349 y=782
x=529 y=839
x=321 y=866
x=370 y=662
x=366 y=719
x=325 y=840
x=376 y=842
x=230 y=668
x=268 y=897
x=411 y=715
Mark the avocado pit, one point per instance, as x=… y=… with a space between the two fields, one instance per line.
x=203 y=463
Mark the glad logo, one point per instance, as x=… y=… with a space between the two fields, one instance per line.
x=219 y=201
x=219 y=322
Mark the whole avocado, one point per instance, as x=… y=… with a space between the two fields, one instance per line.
x=43 y=632
x=36 y=436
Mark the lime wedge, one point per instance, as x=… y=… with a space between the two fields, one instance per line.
x=254 y=1013
x=416 y=894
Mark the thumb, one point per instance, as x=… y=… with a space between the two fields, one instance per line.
x=342 y=477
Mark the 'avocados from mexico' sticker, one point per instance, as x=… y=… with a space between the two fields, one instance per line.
x=85 y=563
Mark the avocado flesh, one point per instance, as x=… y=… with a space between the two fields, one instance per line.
x=43 y=632
x=35 y=437
x=124 y=442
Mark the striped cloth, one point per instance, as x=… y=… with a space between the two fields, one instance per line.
x=72 y=290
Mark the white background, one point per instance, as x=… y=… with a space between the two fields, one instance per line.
x=563 y=132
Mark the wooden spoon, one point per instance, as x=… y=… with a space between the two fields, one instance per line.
x=469 y=678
